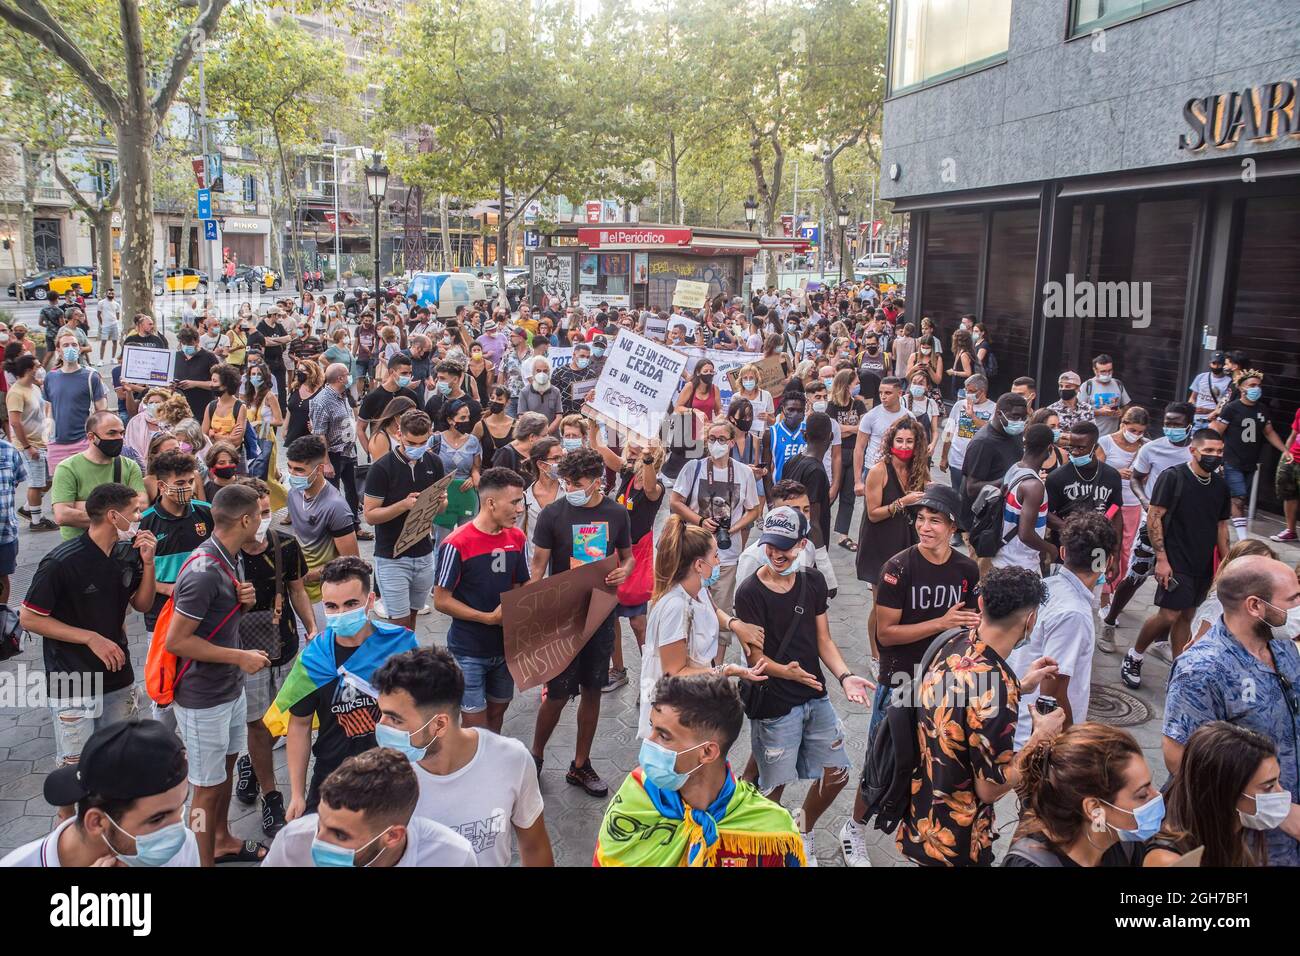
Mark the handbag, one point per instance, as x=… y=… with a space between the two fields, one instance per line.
x=260 y=630
x=752 y=692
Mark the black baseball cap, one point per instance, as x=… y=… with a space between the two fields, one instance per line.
x=941 y=498
x=1217 y=358
x=123 y=761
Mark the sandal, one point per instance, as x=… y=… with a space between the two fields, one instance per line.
x=848 y=544
x=250 y=852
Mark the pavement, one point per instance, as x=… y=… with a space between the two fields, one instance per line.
x=573 y=817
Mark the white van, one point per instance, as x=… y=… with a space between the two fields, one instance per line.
x=441 y=292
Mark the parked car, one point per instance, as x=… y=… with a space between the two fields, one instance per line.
x=873 y=260
x=179 y=280
x=60 y=280
x=888 y=281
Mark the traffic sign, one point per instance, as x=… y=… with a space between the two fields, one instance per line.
x=209 y=229
x=532 y=239
x=811 y=233
x=205 y=203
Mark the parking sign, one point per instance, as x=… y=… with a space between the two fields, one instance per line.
x=532 y=239
x=209 y=229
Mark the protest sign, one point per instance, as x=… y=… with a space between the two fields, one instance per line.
x=559 y=355
x=689 y=294
x=582 y=390
x=143 y=365
x=771 y=374
x=547 y=622
x=419 y=520
x=656 y=327
x=637 y=385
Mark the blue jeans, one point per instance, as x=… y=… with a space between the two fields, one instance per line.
x=486 y=679
x=800 y=745
x=1238 y=481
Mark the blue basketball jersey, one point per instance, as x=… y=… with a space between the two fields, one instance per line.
x=785 y=446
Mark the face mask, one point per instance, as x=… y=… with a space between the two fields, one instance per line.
x=706 y=379
x=415 y=452
x=1132 y=437
x=660 y=765
x=263 y=527
x=152 y=849
x=70 y=353
x=463 y=427
x=299 y=482
x=903 y=454
x=926 y=351
x=542 y=380
x=1270 y=810
x=255 y=380
x=444 y=388
x=1254 y=393
x=112 y=447
x=128 y=534
x=224 y=471
x=872 y=349
x=749 y=384
x=187 y=448
x=1068 y=393
x=570 y=444
x=1289 y=628
x=1104 y=379
x=829 y=383
x=189 y=350
x=1210 y=462
x=717 y=449
x=151 y=413
x=403 y=381
x=327 y=854
x=400 y=740
x=583 y=362
x=712 y=579
x=1149 y=816
x=1177 y=435
x=1080 y=461
x=598 y=351
x=744 y=424
x=792 y=420
x=577 y=498
x=347 y=623
x=1013 y=427
x=819 y=406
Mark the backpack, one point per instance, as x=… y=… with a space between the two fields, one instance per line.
x=162 y=668
x=11 y=633
x=892 y=753
x=990 y=364
x=986 y=536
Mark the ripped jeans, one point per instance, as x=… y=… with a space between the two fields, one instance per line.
x=76 y=720
x=800 y=745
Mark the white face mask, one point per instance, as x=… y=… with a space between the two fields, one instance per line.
x=1132 y=437
x=718 y=449
x=1270 y=810
x=263 y=527
x=542 y=380
x=1289 y=630
x=129 y=533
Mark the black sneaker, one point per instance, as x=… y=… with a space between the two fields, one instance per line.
x=45 y=524
x=1130 y=672
x=587 y=778
x=245 y=781
x=272 y=813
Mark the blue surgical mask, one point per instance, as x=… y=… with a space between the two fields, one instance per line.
x=153 y=849
x=660 y=765
x=255 y=380
x=415 y=452
x=1149 y=816
x=918 y=391
x=598 y=351
x=403 y=381
x=327 y=854
x=1254 y=393
x=299 y=482
x=1056 y=434
x=712 y=579
x=578 y=498
x=444 y=388
x=1177 y=435
x=829 y=383
x=400 y=740
x=583 y=362
x=70 y=353
x=348 y=623
x=1013 y=428
x=187 y=349
x=1080 y=461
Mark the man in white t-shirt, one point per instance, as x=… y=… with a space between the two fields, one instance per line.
x=964 y=421
x=1209 y=389
x=129 y=788
x=1105 y=395
x=713 y=489
x=872 y=428
x=1065 y=631
x=367 y=818
x=474 y=781
x=109 y=311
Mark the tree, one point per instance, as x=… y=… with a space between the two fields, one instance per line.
x=114 y=58
x=517 y=98
x=281 y=84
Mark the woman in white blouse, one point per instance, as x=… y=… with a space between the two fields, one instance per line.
x=683 y=625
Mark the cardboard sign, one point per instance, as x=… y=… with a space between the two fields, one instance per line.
x=419 y=520
x=145 y=365
x=690 y=295
x=637 y=386
x=547 y=622
x=771 y=374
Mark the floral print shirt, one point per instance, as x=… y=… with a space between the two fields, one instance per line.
x=969 y=701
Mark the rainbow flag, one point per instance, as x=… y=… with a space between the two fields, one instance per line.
x=314 y=667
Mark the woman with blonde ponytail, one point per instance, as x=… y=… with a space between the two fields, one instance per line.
x=683 y=625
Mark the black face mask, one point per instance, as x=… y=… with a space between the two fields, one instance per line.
x=792 y=419
x=706 y=379
x=111 y=447
x=744 y=424
x=1210 y=462
x=464 y=427
x=496 y=408
x=1068 y=393
x=1216 y=369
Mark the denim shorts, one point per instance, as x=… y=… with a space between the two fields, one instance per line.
x=9 y=558
x=405 y=583
x=75 y=720
x=800 y=745
x=210 y=735
x=486 y=679
x=1238 y=481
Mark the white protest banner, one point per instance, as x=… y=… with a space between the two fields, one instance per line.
x=681 y=321
x=689 y=294
x=656 y=327
x=144 y=365
x=637 y=386
x=724 y=364
x=593 y=299
x=559 y=355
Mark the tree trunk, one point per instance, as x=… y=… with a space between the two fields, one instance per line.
x=102 y=223
x=444 y=217
x=134 y=142
x=293 y=223
x=768 y=193
x=503 y=231
x=27 y=218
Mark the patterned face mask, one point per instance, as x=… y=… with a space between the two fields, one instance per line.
x=181 y=494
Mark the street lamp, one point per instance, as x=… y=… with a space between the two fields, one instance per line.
x=377 y=186
x=841 y=217
x=751 y=212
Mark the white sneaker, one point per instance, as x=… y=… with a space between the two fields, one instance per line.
x=1162 y=651
x=809 y=847
x=853 y=844
x=427 y=609
x=1106 y=639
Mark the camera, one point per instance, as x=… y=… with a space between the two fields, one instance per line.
x=721 y=515
x=1045 y=704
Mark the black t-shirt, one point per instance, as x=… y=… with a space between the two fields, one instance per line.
x=274 y=354
x=922 y=591
x=347 y=719
x=1243 y=439
x=154 y=340
x=259 y=570
x=870 y=373
x=988 y=456
x=197 y=368
x=1191 y=522
x=757 y=604
x=435 y=408
x=848 y=416
x=377 y=399
x=80 y=585
x=391 y=479
x=508 y=456
x=577 y=536
x=809 y=472
x=1096 y=487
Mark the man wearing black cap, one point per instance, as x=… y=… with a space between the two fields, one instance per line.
x=129 y=789
x=1210 y=389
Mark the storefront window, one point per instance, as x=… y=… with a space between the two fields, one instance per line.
x=938 y=39
x=720 y=272
x=1089 y=15
x=950 y=281
x=1009 y=293
x=605 y=277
